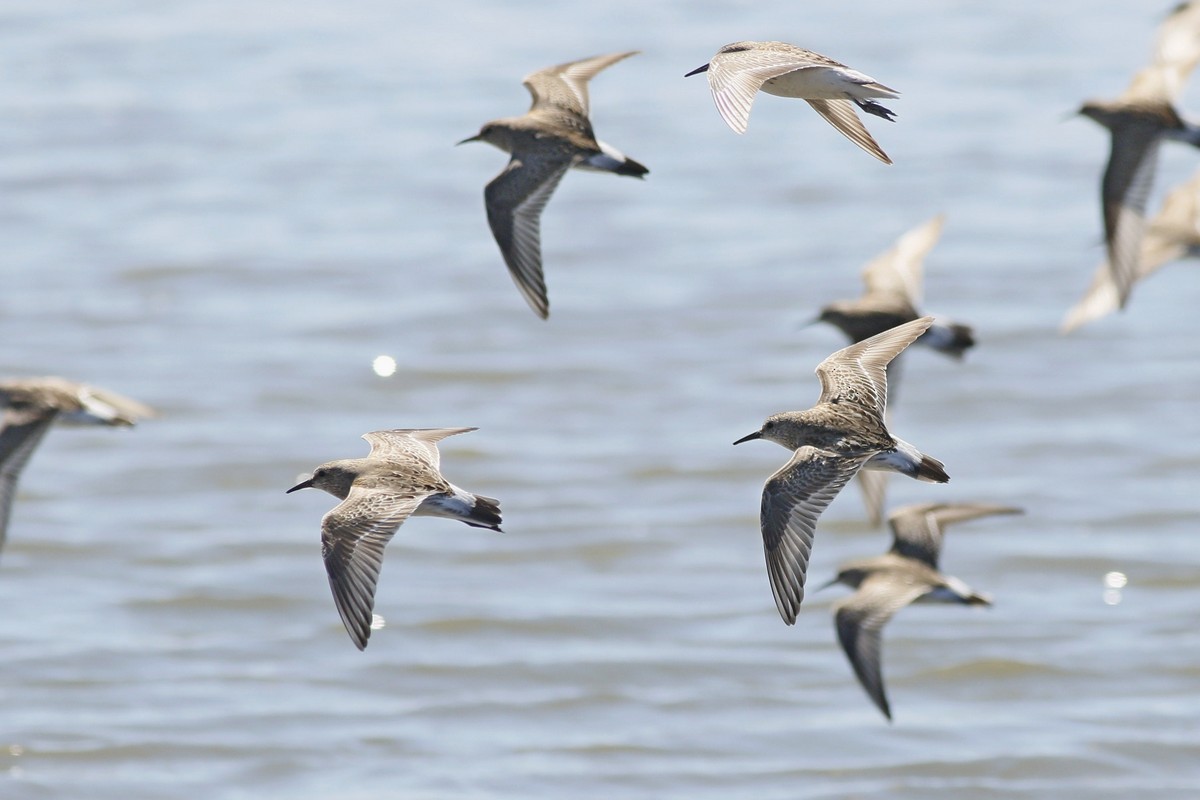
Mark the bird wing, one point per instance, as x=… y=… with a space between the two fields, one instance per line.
x=1099 y=300
x=898 y=271
x=917 y=530
x=793 y=498
x=515 y=199
x=117 y=408
x=1171 y=235
x=859 y=620
x=735 y=77
x=411 y=442
x=841 y=115
x=563 y=87
x=353 y=536
x=19 y=437
x=1124 y=192
x=858 y=373
x=1176 y=51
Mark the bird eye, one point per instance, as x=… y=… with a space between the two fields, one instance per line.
x=768 y=425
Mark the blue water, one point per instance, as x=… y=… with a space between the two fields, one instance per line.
x=228 y=210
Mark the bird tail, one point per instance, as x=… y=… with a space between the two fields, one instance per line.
x=952 y=339
x=955 y=591
x=485 y=513
x=473 y=509
x=911 y=462
x=932 y=470
x=965 y=594
x=610 y=159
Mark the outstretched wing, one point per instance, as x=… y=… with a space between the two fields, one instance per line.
x=738 y=71
x=1124 y=191
x=515 y=199
x=859 y=620
x=917 y=530
x=1172 y=234
x=841 y=115
x=899 y=270
x=858 y=373
x=22 y=432
x=563 y=87
x=1176 y=51
x=793 y=498
x=411 y=442
x=353 y=536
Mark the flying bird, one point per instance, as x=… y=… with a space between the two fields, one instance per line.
x=894 y=285
x=1174 y=233
x=1138 y=122
x=401 y=477
x=31 y=405
x=553 y=136
x=908 y=573
x=843 y=433
x=740 y=70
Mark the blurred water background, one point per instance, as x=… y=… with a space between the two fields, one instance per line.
x=229 y=209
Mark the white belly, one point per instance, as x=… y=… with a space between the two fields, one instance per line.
x=824 y=83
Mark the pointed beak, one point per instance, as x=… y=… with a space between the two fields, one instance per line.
x=302 y=485
x=749 y=436
x=812 y=322
x=474 y=138
x=697 y=71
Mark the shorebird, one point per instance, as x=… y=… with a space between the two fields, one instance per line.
x=1174 y=233
x=843 y=433
x=908 y=573
x=1138 y=121
x=740 y=70
x=894 y=284
x=553 y=136
x=401 y=477
x=32 y=405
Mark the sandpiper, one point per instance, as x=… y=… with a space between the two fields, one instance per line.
x=894 y=283
x=740 y=70
x=1138 y=121
x=31 y=405
x=400 y=478
x=553 y=136
x=843 y=433
x=1174 y=233
x=906 y=574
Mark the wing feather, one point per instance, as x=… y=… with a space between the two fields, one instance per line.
x=793 y=498
x=353 y=537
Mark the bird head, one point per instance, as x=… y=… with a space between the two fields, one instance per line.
x=335 y=477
